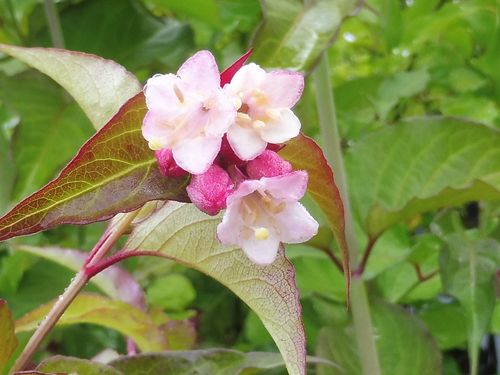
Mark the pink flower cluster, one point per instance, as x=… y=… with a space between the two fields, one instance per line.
x=226 y=138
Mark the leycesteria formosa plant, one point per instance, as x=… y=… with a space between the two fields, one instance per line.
x=230 y=144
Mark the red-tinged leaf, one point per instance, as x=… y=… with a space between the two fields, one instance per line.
x=113 y=172
x=8 y=341
x=305 y=154
x=227 y=75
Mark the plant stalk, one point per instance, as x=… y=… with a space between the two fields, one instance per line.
x=54 y=25
x=360 y=307
x=111 y=235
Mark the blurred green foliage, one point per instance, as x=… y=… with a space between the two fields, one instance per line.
x=397 y=67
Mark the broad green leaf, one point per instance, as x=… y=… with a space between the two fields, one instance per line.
x=305 y=154
x=417 y=166
x=495 y=320
x=294 y=34
x=41 y=144
x=98 y=85
x=7 y=169
x=8 y=341
x=125 y=32
x=96 y=309
x=183 y=233
x=114 y=281
x=113 y=172
x=204 y=10
x=446 y=322
x=61 y=364
x=404 y=345
x=173 y=292
x=467 y=269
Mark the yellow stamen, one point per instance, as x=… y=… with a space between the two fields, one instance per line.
x=261 y=233
x=237 y=102
x=257 y=124
x=178 y=93
x=155 y=144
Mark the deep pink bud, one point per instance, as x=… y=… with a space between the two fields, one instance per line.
x=168 y=166
x=267 y=164
x=208 y=191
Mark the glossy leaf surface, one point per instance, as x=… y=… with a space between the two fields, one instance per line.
x=96 y=309
x=294 y=34
x=113 y=172
x=99 y=86
x=183 y=233
x=413 y=167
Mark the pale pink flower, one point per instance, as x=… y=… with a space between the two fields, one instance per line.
x=264 y=116
x=188 y=113
x=262 y=213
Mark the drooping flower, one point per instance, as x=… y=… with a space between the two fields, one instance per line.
x=264 y=101
x=262 y=213
x=208 y=191
x=188 y=113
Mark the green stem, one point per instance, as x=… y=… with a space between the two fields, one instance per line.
x=331 y=142
x=77 y=283
x=54 y=26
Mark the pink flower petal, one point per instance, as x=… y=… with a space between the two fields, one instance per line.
x=160 y=95
x=248 y=77
x=245 y=141
x=197 y=154
x=154 y=128
x=221 y=115
x=261 y=251
x=247 y=187
x=283 y=88
x=200 y=72
x=282 y=129
x=288 y=187
x=295 y=224
x=230 y=230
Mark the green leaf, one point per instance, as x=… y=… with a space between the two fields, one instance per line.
x=7 y=337
x=7 y=170
x=404 y=345
x=183 y=233
x=98 y=85
x=41 y=143
x=96 y=309
x=305 y=154
x=113 y=172
x=172 y=292
x=204 y=10
x=293 y=35
x=204 y=362
x=125 y=32
x=446 y=322
x=113 y=281
x=467 y=270
x=417 y=166
x=61 y=364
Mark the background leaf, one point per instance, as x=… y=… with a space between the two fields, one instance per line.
x=51 y=129
x=404 y=345
x=7 y=336
x=61 y=364
x=183 y=233
x=96 y=309
x=421 y=165
x=468 y=269
x=113 y=172
x=99 y=86
x=294 y=34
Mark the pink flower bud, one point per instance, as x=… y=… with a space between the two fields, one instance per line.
x=227 y=154
x=208 y=191
x=268 y=164
x=168 y=166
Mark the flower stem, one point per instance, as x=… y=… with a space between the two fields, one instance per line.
x=54 y=25
x=111 y=235
x=332 y=144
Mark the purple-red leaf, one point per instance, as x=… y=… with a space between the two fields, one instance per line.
x=113 y=172
x=305 y=154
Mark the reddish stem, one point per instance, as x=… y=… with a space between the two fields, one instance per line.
x=94 y=269
x=366 y=255
x=420 y=275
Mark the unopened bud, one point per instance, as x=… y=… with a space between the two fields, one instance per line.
x=227 y=154
x=168 y=166
x=267 y=164
x=208 y=191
